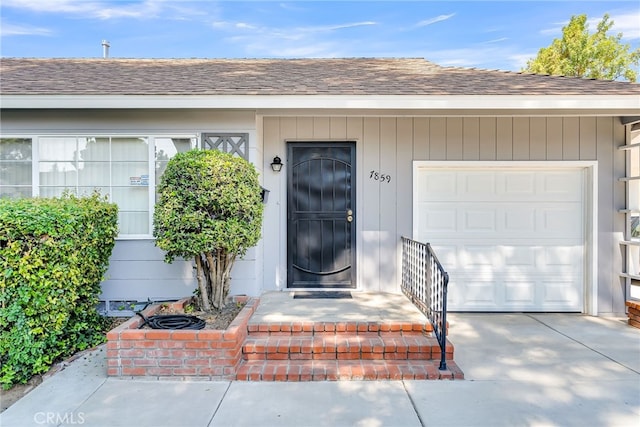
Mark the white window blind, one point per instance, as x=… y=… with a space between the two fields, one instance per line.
x=15 y=167
x=125 y=168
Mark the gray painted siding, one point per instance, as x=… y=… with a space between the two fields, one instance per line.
x=137 y=270
x=384 y=211
x=389 y=145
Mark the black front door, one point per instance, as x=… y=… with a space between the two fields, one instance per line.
x=321 y=215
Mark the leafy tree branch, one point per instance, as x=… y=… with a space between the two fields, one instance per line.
x=580 y=53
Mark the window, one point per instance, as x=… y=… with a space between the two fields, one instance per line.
x=15 y=167
x=166 y=148
x=118 y=167
x=126 y=168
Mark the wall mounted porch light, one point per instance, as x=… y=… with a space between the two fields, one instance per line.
x=276 y=165
x=264 y=194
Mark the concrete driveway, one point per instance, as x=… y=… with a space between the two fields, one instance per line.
x=537 y=370
x=520 y=370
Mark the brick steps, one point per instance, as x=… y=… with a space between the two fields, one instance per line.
x=339 y=351
x=345 y=370
x=292 y=328
x=342 y=347
x=633 y=312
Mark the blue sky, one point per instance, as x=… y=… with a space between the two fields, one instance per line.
x=492 y=35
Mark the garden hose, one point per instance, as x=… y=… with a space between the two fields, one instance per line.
x=172 y=321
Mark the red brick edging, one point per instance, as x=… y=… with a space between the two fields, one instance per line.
x=633 y=313
x=187 y=354
x=282 y=351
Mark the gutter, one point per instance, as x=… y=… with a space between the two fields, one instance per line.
x=628 y=105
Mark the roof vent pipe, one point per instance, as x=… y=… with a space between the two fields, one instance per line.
x=105 y=48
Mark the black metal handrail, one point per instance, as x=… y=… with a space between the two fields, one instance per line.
x=425 y=282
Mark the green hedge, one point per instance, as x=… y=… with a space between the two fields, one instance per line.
x=53 y=256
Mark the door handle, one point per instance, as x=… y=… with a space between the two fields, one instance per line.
x=349 y=215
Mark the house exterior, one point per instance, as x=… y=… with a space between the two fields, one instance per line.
x=525 y=185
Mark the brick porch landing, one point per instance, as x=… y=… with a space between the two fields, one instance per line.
x=373 y=336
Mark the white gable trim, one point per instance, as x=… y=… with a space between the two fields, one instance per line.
x=615 y=104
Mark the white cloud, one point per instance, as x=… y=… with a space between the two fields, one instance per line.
x=501 y=39
x=63 y=6
x=245 y=26
x=556 y=30
x=438 y=18
x=94 y=9
x=481 y=56
x=343 y=26
x=106 y=9
x=226 y=25
x=221 y=25
x=318 y=50
x=23 y=30
x=291 y=7
x=628 y=24
x=519 y=61
x=303 y=41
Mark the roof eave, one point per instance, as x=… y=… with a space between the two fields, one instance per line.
x=629 y=104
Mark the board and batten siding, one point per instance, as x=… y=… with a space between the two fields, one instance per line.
x=389 y=145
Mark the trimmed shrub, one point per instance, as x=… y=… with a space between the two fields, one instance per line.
x=53 y=256
x=210 y=209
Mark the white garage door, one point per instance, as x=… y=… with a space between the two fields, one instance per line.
x=511 y=239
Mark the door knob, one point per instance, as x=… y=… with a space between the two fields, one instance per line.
x=349 y=218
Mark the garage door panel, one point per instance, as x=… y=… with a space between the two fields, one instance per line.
x=562 y=185
x=437 y=218
x=438 y=185
x=472 y=256
x=519 y=219
x=477 y=293
x=476 y=185
x=513 y=220
x=560 y=294
x=447 y=255
x=562 y=256
x=475 y=220
x=521 y=184
x=494 y=186
x=473 y=294
x=510 y=239
x=565 y=219
x=531 y=259
x=519 y=293
x=519 y=256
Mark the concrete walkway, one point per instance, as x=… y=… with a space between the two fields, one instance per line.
x=520 y=370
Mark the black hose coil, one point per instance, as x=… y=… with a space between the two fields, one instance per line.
x=172 y=321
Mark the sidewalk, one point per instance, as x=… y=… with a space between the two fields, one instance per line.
x=520 y=369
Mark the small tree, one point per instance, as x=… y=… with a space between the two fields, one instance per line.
x=581 y=54
x=210 y=209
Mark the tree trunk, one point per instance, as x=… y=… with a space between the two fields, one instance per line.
x=229 y=260
x=202 y=284
x=219 y=275
x=216 y=290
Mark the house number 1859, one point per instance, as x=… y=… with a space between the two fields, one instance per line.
x=380 y=176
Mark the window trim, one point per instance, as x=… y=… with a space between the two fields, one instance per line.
x=151 y=161
x=34 y=173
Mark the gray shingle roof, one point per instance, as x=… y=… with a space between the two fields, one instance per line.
x=349 y=76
